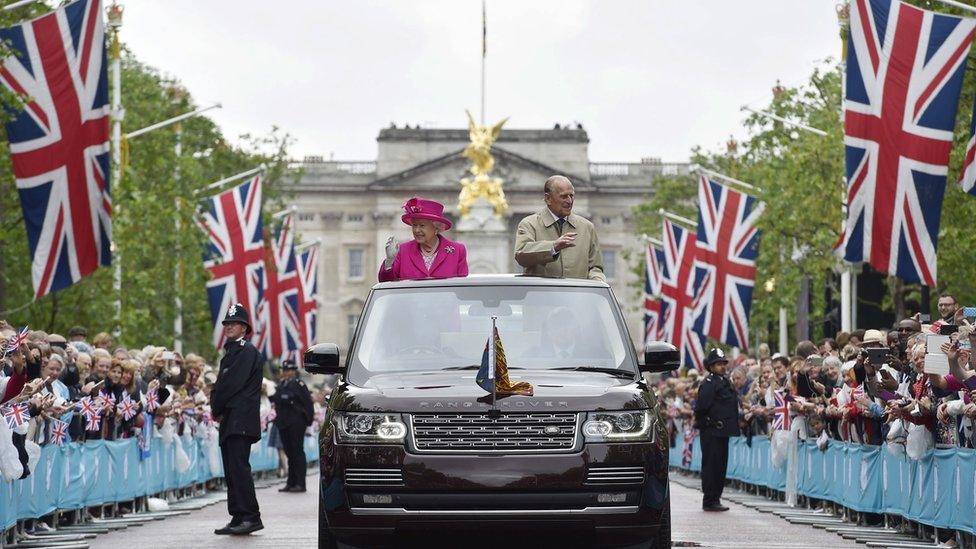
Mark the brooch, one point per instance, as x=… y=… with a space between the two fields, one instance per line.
x=416 y=209
x=449 y=249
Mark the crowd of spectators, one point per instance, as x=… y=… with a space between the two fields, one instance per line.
x=867 y=386
x=57 y=390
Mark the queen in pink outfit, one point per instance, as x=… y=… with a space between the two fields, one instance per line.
x=429 y=254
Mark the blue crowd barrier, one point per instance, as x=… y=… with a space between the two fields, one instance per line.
x=78 y=475
x=938 y=490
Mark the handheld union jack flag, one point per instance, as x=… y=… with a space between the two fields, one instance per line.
x=728 y=245
x=93 y=423
x=232 y=221
x=688 y=446
x=59 y=143
x=151 y=401
x=87 y=408
x=59 y=431
x=107 y=398
x=781 y=411
x=308 y=306
x=127 y=408
x=678 y=301
x=15 y=341
x=905 y=69
x=277 y=312
x=15 y=414
x=653 y=257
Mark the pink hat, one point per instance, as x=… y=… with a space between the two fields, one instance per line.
x=419 y=208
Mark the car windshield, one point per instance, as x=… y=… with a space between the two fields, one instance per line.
x=435 y=329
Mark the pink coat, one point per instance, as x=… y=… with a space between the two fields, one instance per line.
x=451 y=260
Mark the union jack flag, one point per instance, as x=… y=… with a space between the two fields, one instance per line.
x=308 y=306
x=968 y=178
x=93 y=423
x=59 y=142
x=151 y=401
x=88 y=408
x=59 y=431
x=232 y=221
x=15 y=341
x=107 y=398
x=678 y=300
x=15 y=414
x=728 y=245
x=688 y=446
x=127 y=408
x=905 y=69
x=276 y=315
x=653 y=257
x=781 y=411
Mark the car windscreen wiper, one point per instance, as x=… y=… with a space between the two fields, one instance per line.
x=612 y=371
x=473 y=367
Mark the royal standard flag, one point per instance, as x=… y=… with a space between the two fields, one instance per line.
x=493 y=374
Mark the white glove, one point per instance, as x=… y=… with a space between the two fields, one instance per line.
x=392 y=247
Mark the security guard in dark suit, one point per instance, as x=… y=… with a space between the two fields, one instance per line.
x=293 y=413
x=717 y=419
x=235 y=402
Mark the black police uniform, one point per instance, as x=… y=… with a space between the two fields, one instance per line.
x=293 y=413
x=236 y=400
x=717 y=419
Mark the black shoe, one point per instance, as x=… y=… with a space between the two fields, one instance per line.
x=285 y=489
x=296 y=489
x=714 y=507
x=227 y=527
x=245 y=528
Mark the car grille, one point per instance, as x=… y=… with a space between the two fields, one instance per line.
x=512 y=432
x=374 y=477
x=615 y=475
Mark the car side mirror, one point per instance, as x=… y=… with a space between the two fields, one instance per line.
x=660 y=356
x=323 y=358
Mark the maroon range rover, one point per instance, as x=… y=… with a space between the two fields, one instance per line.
x=411 y=442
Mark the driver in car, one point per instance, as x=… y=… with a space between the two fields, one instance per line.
x=563 y=339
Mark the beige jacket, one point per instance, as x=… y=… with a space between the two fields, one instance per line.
x=535 y=237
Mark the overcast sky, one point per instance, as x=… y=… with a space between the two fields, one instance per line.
x=645 y=78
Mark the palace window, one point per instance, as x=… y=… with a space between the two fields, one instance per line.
x=610 y=264
x=356 y=262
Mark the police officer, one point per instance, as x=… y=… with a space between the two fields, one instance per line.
x=235 y=403
x=717 y=419
x=293 y=413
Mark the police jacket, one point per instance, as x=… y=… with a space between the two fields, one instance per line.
x=717 y=407
x=293 y=404
x=236 y=395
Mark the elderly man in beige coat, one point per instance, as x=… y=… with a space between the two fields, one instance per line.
x=555 y=242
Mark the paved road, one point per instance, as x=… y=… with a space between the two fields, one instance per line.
x=290 y=521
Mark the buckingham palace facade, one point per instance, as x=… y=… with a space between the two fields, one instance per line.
x=354 y=206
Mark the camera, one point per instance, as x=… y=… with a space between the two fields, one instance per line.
x=169 y=355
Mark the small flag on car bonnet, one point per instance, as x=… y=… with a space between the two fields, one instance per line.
x=493 y=373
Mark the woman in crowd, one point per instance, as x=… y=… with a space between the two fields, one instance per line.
x=429 y=254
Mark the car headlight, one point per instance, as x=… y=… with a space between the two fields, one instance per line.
x=359 y=428
x=631 y=426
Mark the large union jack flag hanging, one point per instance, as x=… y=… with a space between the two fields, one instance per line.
x=678 y=301
x=308 y=307
x=653 y=257
x=235 y=251
x=277 y=312
x=728 y=245
x=59 y=142
x=904 y=73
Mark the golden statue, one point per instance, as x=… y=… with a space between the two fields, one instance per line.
x=481 y=185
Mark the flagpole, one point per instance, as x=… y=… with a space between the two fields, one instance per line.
x=493 y=360
x=726 y=179
x=171 y=121
x=653 y=240
x=484 y=54
x=678 y=219
x=19 y=4
x=284 y=212
x=788 y=122
x=303 y=245
x=242 y=175
x=846 y=274
x=178 y=271
x=959 y=5
x=115 y=23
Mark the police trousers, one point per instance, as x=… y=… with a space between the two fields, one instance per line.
x=715 y=460
x=242 y=504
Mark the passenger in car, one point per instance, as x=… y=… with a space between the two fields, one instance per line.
x=429 y=254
